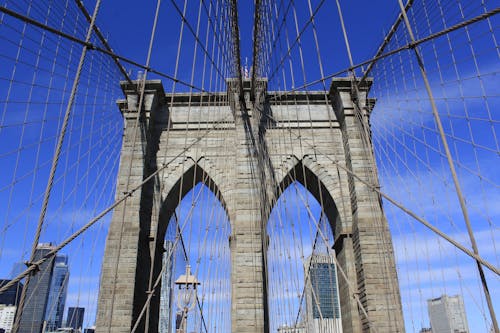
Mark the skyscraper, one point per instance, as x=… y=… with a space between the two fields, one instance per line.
x=322 y=298
x=11 y=296
x=46 y=293
x=57 y=293
x=37 y=294
x=447 y=314
x=75 y=318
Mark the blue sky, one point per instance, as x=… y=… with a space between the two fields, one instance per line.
x=409 y=155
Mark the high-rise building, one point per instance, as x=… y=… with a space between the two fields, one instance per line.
x=322 y=298
x=447 y=314
x=75 y=318
x=57 y=294
x=166 y=289
x=7 y=316
x=11 y=296
x=37 y=294
x=46 y=294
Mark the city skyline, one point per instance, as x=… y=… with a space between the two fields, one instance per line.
x=304 y=45
x=32 y=318
x=47 y=296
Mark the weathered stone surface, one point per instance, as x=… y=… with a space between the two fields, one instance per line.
x=302 y=137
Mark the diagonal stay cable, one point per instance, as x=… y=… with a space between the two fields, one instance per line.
x=33 y=266
x=103 y=40
x=297 y=39
x=451 y=165
x=385 y=42
x=402 y=48
x=55 y=162
x=94 y=47
x=397 y=204
x=195 y=36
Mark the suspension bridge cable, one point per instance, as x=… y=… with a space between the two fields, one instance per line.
x=407 y=46
x=386 y=41
x=409 y=212
x=103 y=40
x=92 y=46
x=32 y=267
x=53 y=167
x=451 y=165
x=288 y=138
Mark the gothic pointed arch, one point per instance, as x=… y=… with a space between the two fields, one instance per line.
x=318 y=182
x=194 y=174
x=182 y=180
x=330 y=190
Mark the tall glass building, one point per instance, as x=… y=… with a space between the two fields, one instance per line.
x=11 y=296
x=57 y=294
x=322 y=296
x=33 y=315
x=75 y=318
x=46 y=294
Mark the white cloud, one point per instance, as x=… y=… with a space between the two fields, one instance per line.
x=404 y=103
x=412 y=247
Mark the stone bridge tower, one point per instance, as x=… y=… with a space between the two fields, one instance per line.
x=326 y=132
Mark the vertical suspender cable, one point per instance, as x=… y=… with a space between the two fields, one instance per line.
x=458 y=190
x=53 y=168
x=235 y=30
x=103 y=40
x=387 y=39
x=134 y=143
x=256 y=47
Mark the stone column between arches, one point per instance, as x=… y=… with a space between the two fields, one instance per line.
x=376 y=276
x=127 y=257
x=249 y=297
x=366 y=258
x=310 y=163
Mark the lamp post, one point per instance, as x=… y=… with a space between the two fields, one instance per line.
x=186 y=299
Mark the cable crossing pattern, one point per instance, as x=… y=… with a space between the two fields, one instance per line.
x=271 y=166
